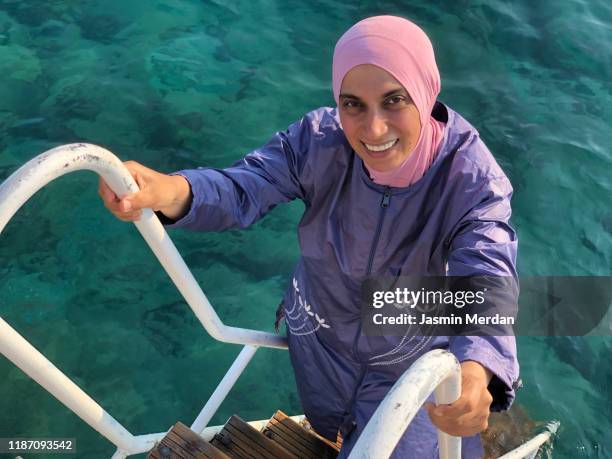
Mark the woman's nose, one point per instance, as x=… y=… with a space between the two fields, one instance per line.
x=376 y=126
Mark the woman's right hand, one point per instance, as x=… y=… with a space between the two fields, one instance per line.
x=169 y=194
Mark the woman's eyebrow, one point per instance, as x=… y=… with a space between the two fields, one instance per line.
x=346 y=95
x=394 y=92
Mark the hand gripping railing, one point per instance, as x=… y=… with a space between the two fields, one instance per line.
x=14 y=192
x=436 y=371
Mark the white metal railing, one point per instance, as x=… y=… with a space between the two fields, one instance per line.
x=14 y=192
x=436 y=370
x=36 y=173
x=529 y=449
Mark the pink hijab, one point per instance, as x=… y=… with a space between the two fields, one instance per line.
x=401 y=48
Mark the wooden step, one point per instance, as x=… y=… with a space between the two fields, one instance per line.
x=182 y=443
x=283 y=438
x=297 y=440
x=239 y=440
x=335 y=445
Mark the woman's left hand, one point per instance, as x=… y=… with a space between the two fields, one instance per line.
x=469 y=414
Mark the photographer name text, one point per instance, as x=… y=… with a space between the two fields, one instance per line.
x=424 y=319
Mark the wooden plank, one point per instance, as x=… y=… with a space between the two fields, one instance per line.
x=305 y=437
x=254 y=450
x=335 y=445
x=225 y=442
x=182 y=443
x=304 y=441
x=289 y=444
x=195 y=445
x=299 y=443
x=258 y=441
x=239 y=439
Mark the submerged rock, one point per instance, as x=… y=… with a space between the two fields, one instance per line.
x=100 y=27
x=19 y=63
x=508 y=430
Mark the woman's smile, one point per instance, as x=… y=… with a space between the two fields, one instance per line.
x=380 y=148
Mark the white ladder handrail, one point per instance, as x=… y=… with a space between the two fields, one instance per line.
x=14 y=192
x=529 y=449
x=44 y=168
x=37 y=367
x=436 y=371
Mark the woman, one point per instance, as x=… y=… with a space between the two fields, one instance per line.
x=394 y=183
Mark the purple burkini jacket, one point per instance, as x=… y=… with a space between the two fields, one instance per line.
x=453 y=221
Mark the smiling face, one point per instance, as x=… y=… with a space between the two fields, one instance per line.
x=378 y=116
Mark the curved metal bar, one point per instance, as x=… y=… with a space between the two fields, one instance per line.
x=14 y=192
x=433 y=370
x=226 y=384
x=531 y=447
x=36 y=173
x=119 y=454
x=36 y=365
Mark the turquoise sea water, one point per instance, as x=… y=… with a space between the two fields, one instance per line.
x=177 y=84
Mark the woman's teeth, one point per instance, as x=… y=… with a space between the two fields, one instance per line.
x=383 y=147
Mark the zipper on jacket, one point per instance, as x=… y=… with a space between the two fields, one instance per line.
x=384 y=204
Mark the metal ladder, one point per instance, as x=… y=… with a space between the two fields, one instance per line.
x=437 y=371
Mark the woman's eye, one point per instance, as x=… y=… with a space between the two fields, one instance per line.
x=350 y=104
x=395 y=100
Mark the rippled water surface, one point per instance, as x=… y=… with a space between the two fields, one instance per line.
x=177 y=84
